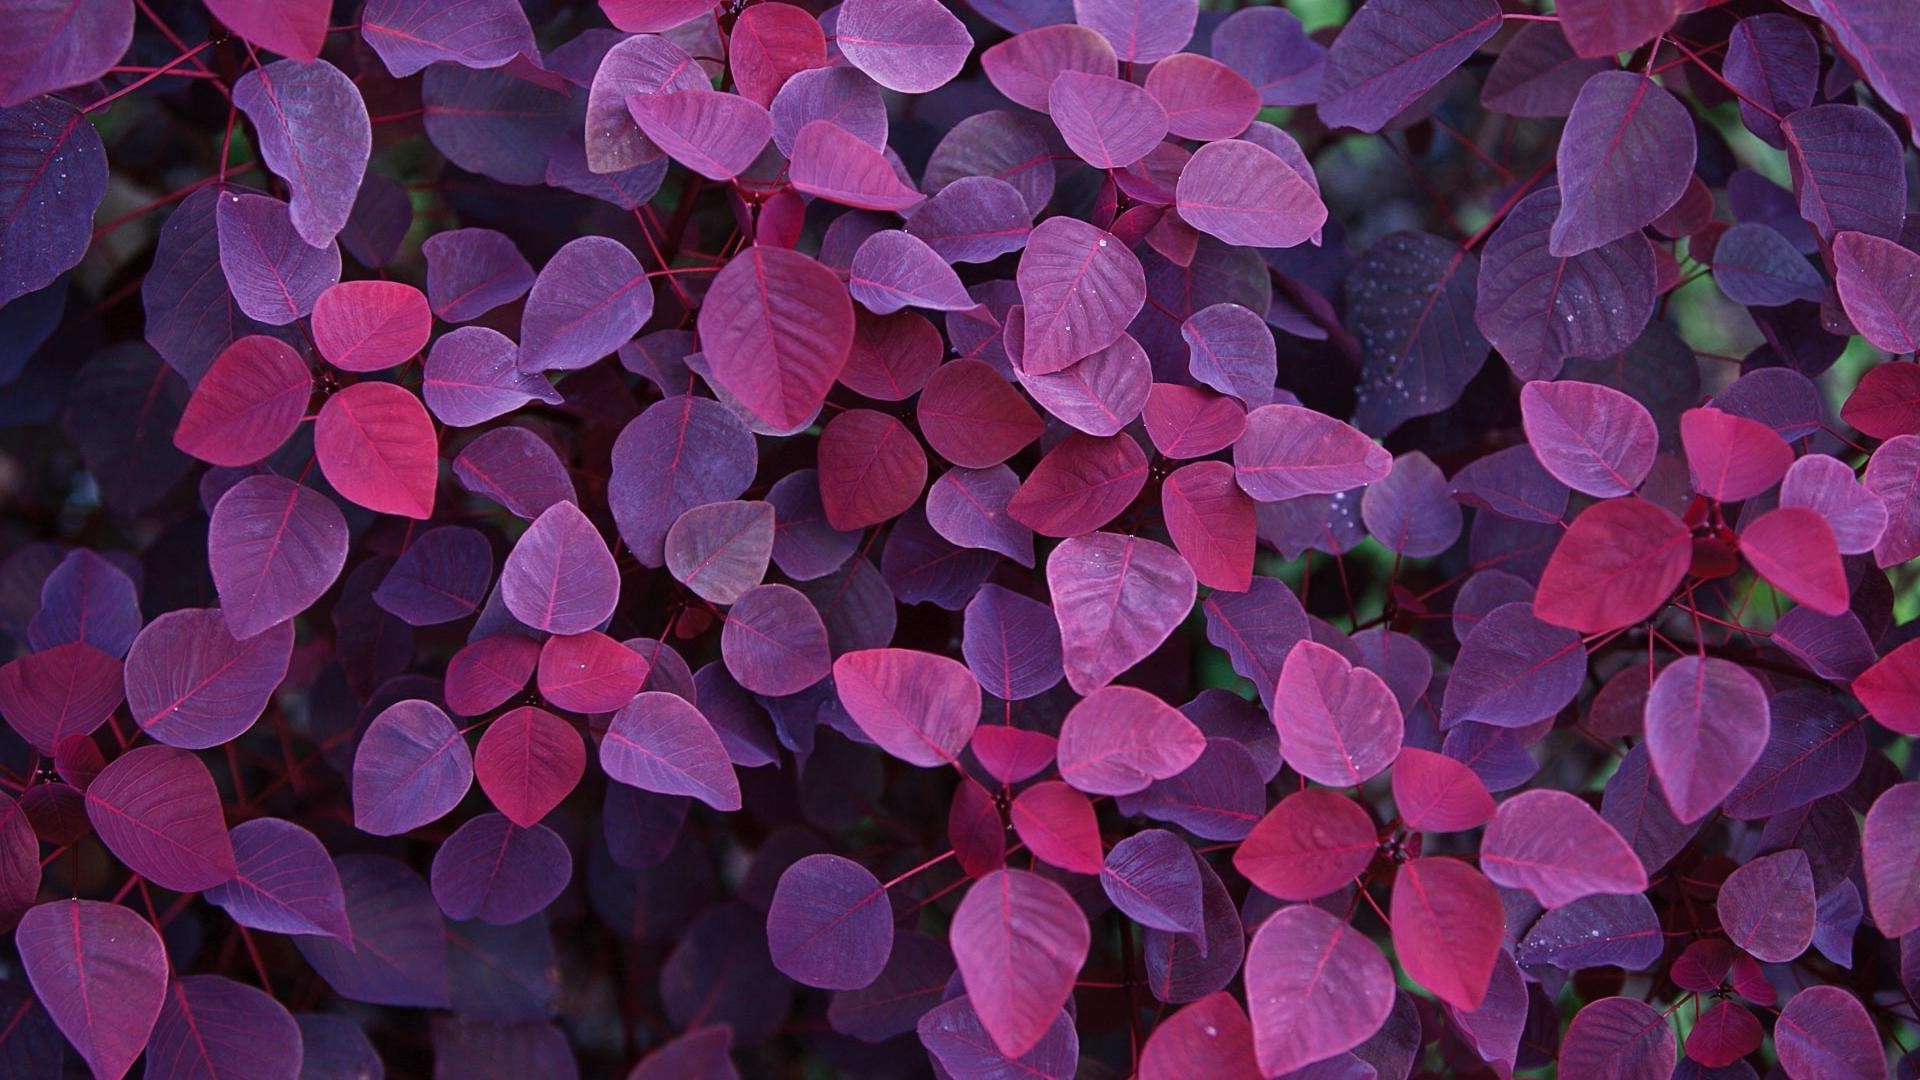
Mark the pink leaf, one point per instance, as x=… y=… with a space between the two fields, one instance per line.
x=1447 y=929
x=528 y=761
x=1117 y=740
x=1019 y=940
x=777 y=328
x=1556 y=847
x=1317 y=988
x=1793 y=548
x=1615 y=565
x=1435 y=793
x=1057 y=825
x=919 y=707
x=1117 y=598
x=377 y=447
x=1311 y=843
x=1339 y=724
x=157 y=810
x=247 y=404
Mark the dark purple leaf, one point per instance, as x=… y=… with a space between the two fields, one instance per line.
x=1847 y=171
x=659 y=742
x=513 y=467
x=411 y=768
x=473 y=271
x=498 y=872
x=156 y=809
x=1625 y=160
x=275 y=275
x=1410 y=301
x=830 y=924
x=398 y=953
x=314 y=134
x=56 y=45
x=410 y=34
x=285 y=882
x=1393 y=52
x=50 y=160
x=101 y=972
x=1317 y=988
x=191 y=684
x=1599 y=931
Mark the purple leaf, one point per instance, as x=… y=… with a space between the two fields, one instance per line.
x=285 y=882
x=1890 y=860
x=680 y=453
x=1767 y=906
x=774 y=642
x=442 y=576
x=659 y=742
x=314 y=134
x=1271 y=49
x=191 y=684
x=1098 y=394
x=514 y=468
x=1118 y=740
x=1288 y=451
x=1410 y=511
x=639 y=65
x=1019 y=940
x=410 y=34
x=777 y=327
x=1529 y=298
x=1024 y=66
x=1707 y=723
x=721 y=550
x=1624 y=161
x=1619 y=1036
x=191 y=314
x=560 y=577
x=1553 y=845
x=1410 y=301
x=398 y=954
x=1011 y=644
x=1153 y=877
x=1876 y=282
x=411 y=768
x=830 y=924
x=956 y=1038
x=589 y=299
x=1537 y=73
x=210 y=1025
x=472 y=271
x=55 y=45
x=1258 y=629
x=156 y=809
x=1117 y=598
x=86 y=598
x=1109 y=123
x=968 y=508
x=101 y=972
x=1824 y=1031
x=1317 y=988
x=1243 y=193
x=1141 y=31
x=1339 y=725
x=1756 y=266
x=1081 y=288
x=1394 y=51
x=832 y=163
x=894 y=270
x=274 y=547
x=998 y=144
x=1592 y=438
x=275 y=275
x=50 y=160
x=699 y=1054
x=1600 y=931
x=1231 y=349
x=838 y=95
x=716 y=135
x=60 y=692
x=1775 y=63
x=473 y=375
x=912 y=46
x=1813 y=751
x=1601 y=28
x=973 y=219
x=1847 y=171
x=1889 y=476
x=1187 y=967
x=498 y=872
x=919 y=707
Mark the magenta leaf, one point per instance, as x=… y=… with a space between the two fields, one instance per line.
x=1624 y=161
x=1243 y=193
x=377 y=447
x=411 y=768
x=210 y=1025
x=1889 y=476
x=191 y=684
x=912 y=46
x=1288 y=451
x=1707 y=723
x=1117 y=598
x=292 y=28
x=1590 y=437
x=285 y=882
x=1601 y=28
x=1024 y=66
x=1447 y=929
x=1057 y=824
x=275 y=275
x=1393 y=52
x=919 y=707
x=67 y=690
x=52 y=177
x=560 y=577
x=1616 y=565
x=1556 y=847
x=1794 y=550
x=156 y=809
x=589 y=672
x=1310 y=844
x=1824 y=1031
x=1019 y=941
x=1730 y=457
x=410 y=34
x=1081 y=288
x=777 y=327
x=247 y=404
x=1317 y=988
x=1117 y=740
x=1435 y=793
x=1187 y=422
x=1212 y=523
x=1339 y=724
x=834 y=164
x=314 y=134
x=101 y=972
x=1619 y=1036
x=830 y=924
x=1767 y=906
x=527 y=762
x=1080 y=485
x=717 y=135
x=659 y=742
x=1203 y=98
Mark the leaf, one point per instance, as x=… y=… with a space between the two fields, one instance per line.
x=377 y=447
x=680 y=453
x=191 y=684
x=1890 y=860
x=514 y=468
x=313 y=132
x=968 y=508
x=1618 y=1036
x=973 y=417
x=275 y=275
x=1435 y=793
x=210 y=1025
x=1242 y=193
x=1080 y=485
x=1730 y=457
x=772 y=44
x=1767 y=906
x=1794 y=550
x=1625 y=160
x=589 y=299
x=1203 y=97
x=495 y=871
x=1601 y=28
x=1537 y=73
x=659 y=742
x=919 y=707
x=1141 y=31
x=913 y=46
x=472 y=271
x=56 y=45
x=1081 y=287
x=1187 y=422
x=1592 y=438
x=1410 y=302
x=832 y=163
x=999 y=144
x=954 y=1036
x=560 y=577
x=1553 y=845
x=1024 y=66
x=1019 y=941
x=830 y=924
x=1410 y=511
x=1600 y=931
x=1447 y=929
x=776 y=327
x=1824 y=1031
x=774 y=642
x=716 y=135
x=1847 y=171
x=156 y=809
x=87 y=599
x=721 y=550
x=1310 y=844
x=292 y=28
x=1813 y=752
x=60 y=692
x=1538 y=309
x=398 y=955
x=285 y=882
x=589 y=672
x=442 y=576
x=1893 y=474
x=50 y=160
x=101 y=972
x=1756 y=266
x=274 y=547
x=1707 y=723
x=894 y=270
x=1231 y=349
x=1056 y=823
x=1109 y=123
x=973 y=219
x=1288 y=451
x=1211 y=1037
x=247 y=404
x=1317 y=987
x=1117 y=740
x=528 y=761
x=1513 y=670
x=1011 y=644
x=410 y=34
x=1339 y=725
x=411 y=768
x=1616 y=564
x=1884 y=403
x=871 y=469
x=699 y=1054
x=1876 y=279
x=1211 y=523
x=1393 y=51
x=1117 y=598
